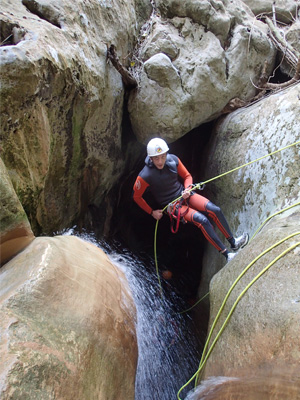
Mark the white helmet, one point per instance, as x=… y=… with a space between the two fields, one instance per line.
x=156 y=147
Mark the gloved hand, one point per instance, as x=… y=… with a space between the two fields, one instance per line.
x=185 y=193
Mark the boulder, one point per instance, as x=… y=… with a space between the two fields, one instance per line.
x=249 y=195
x=261 y=198
x=262 y=332
x=15 y=230
x=67 y=324
x=280 y=383
x=285 y=10
x=213 y=52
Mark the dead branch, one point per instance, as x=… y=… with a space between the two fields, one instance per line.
x=127 y=78
x=289 y=53
x=291 y=56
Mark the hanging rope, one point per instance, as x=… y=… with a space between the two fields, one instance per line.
x=251 y=162
x=204 y=357
x=271 y=216
x=198 y=186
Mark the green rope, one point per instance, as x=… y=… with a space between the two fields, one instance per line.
x=205 y=358
x=271 y=216
x=194 y=305
x=251 y=162
x=198 y=186
x=261 y=226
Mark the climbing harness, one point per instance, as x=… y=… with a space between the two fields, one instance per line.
x=198 y=186
x=174 y=208
x=204 y=357
x=175 y=213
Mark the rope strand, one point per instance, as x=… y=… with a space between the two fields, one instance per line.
x=205 y=358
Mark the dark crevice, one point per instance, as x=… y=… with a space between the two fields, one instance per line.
x=278 y=75
x=45 y=12
x=11 y=34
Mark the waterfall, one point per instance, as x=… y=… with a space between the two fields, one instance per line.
x=167 y=340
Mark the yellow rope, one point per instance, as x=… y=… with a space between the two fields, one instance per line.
x=271 y=216
x=205 y=358
x=251 y=162
x=155 y=258
x=194 y=305
x=261 y=226
x=198 y=186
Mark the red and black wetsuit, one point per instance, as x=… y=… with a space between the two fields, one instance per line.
x=165 y=186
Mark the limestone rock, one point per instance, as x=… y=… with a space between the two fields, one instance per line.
x=292 y=36
x=67 y=324
x=15 y=230
x=263 y=330
x=278 y=383
x=251 y=194
x=285 y=10
x=218 y=52
x=160 y=69
x=62 y=103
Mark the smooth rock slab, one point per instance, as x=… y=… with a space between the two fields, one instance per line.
x=67 y=324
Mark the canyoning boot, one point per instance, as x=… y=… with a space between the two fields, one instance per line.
x=230 y=256
x=240 y=242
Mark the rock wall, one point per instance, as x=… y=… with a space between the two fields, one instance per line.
x=67 y=324
x=15 y=233
x=284 y=10
x=262 y=331
x=251 y=194
x=64 y=145
x=64 y=149
x=62 y=103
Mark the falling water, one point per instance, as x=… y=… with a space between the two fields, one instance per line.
x=168 y=348
x=280 y=384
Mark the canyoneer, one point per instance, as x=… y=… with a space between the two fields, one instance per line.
x=165 y=176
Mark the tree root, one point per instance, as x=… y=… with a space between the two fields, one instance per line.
x=128 y=80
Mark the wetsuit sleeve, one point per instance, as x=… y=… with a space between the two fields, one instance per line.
x=184 y=174
x=138 y=190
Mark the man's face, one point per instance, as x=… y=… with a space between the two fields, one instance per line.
x=159 y=161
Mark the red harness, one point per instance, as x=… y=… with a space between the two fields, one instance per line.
x=174 y=211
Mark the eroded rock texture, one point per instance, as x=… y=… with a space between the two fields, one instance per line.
x=262 y=332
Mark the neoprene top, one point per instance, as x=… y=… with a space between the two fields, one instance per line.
x=164 y=184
